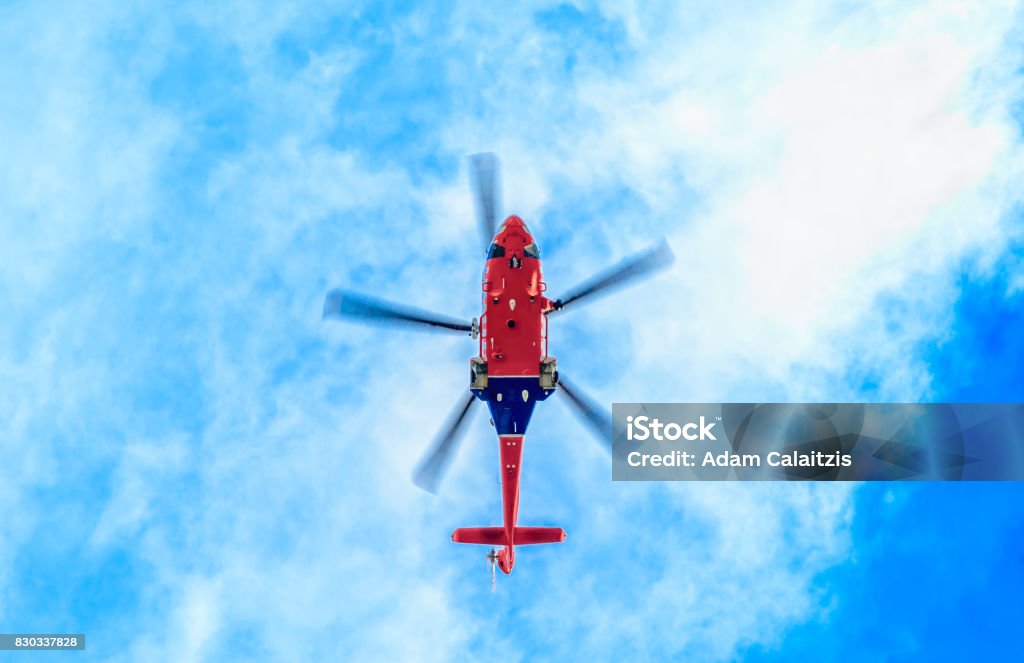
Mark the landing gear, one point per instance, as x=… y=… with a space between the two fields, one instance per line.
x=548 y=373
x=477 y=374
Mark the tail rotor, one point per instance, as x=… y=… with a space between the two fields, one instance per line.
x=492 y=560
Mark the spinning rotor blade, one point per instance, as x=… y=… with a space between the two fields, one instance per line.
x=593 y=415
x=430 y=470
x=484 y=178
x=632 y=269
x=344 y=304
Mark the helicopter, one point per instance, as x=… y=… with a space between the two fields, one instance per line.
x=512 y=370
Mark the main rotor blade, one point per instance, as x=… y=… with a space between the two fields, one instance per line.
x=431 y=469
x=593 y=415
x=345 y=304
x=630 y=270
x=484 y=176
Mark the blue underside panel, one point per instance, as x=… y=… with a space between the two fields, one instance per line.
x=510 y=411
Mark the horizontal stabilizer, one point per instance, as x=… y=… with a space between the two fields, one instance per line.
x=491 y=536
x=527 y=535
x=495 y=536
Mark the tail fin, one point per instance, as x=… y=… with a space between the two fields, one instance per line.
x=495 y=536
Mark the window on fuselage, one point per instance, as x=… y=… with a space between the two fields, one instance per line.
x=531 y=250
x=496 y=251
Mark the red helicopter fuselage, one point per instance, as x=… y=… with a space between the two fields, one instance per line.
x=511 y=374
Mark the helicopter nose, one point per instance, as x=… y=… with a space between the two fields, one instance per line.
x=513 y=225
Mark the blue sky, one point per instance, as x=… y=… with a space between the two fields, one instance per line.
x=197 y=468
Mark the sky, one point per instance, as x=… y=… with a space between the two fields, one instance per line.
x=196 y=467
